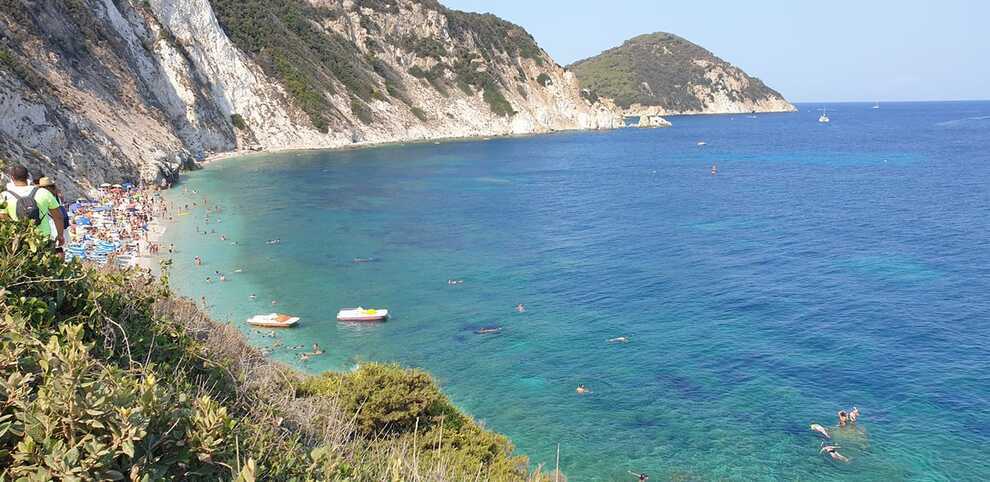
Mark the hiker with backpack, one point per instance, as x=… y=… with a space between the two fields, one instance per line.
x=24 y=201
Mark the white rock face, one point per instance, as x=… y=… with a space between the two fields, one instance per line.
x=163 y=88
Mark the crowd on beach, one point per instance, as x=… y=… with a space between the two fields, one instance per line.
x=116 y=226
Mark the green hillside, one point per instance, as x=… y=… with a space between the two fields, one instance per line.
x=287 y=38
x=662 y=69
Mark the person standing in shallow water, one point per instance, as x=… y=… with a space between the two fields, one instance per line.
x=843 y=418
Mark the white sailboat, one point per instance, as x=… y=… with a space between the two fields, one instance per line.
x=877 y=105
x=824 y=117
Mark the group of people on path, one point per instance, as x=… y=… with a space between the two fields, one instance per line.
x=35 y=199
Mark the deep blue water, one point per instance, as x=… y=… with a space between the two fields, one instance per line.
x=824 y=266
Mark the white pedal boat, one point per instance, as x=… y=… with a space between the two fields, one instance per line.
x=362 y=314
x=273 y=320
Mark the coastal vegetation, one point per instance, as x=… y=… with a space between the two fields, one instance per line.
x=106 y=375
x=287 y=39
x=237 y=121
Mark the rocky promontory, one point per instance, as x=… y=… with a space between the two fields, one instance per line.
x=663 y=74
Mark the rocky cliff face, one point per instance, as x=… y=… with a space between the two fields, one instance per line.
x=663 y=74
x=98 y=91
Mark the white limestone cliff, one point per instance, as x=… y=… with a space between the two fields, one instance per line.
x=159 y=87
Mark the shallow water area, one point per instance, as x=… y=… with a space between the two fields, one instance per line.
x=824 y=266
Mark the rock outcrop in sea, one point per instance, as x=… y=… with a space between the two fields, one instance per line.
x=96 y=91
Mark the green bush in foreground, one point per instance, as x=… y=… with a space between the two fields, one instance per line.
x=104 y=375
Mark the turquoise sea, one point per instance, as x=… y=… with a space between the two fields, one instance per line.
x=824 y=266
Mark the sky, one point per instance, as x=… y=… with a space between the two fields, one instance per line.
x=810 y=51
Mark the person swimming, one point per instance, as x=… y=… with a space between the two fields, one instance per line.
x=489 y=331
x=833 y=451
x=714 y=169
x=581 y=389
x=253 y=297
x=316 y=349
x=223 y=278
x=640 y=477
x=619 y=339
x=520 y=308
x=853 y=415
x=843 y=418
x=819 y=429
x=198 y=261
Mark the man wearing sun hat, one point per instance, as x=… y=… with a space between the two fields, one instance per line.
x=48 y=184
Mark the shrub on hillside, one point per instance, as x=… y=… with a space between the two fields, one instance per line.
x=238 y=121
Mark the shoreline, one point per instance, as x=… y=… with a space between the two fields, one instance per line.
x=398 y=142
x=238 y=152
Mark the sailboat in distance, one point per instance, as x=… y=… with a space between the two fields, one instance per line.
x=877 y=105
x=824 y=117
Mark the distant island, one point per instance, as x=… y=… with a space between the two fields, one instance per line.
x=663 y=74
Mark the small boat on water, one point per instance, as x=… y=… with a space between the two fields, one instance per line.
x=273 y=320
x=877 y=105
x=824 y=117
x=362 y=314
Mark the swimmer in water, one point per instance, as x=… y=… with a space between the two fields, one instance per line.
x=619 y=339
x=198 y=260
x=316 y=350
x=253 y=297
x=520 y=308
x=274 y=302
x=843 y=418
x=489 y=331
x=819 y=429
x=714 y=169
x=223 y=278
x=581 y=389
x=853 y=415
x=833 y=451
x=209 y=279
x=640 y=477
